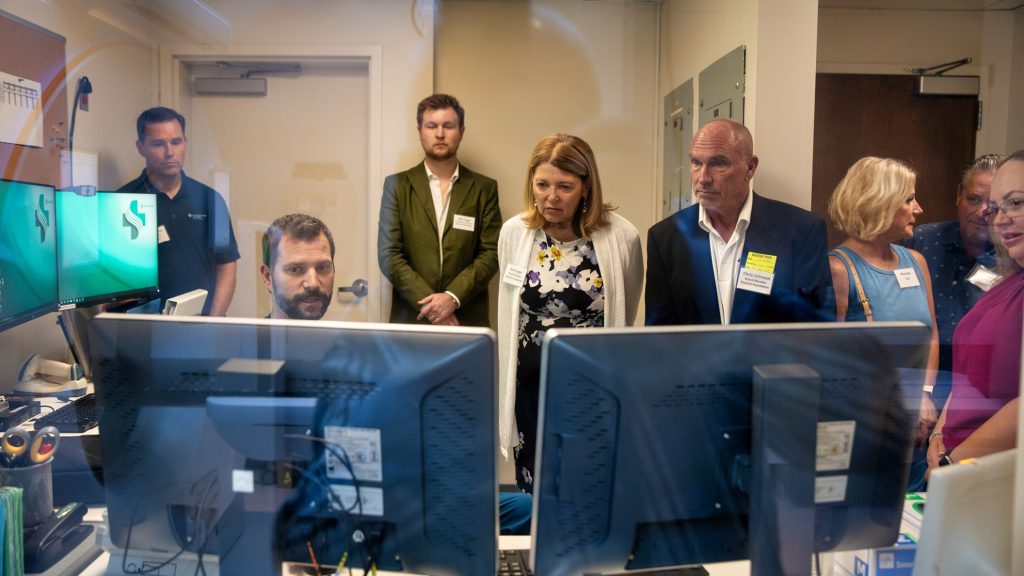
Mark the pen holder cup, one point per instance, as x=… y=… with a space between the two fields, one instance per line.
x=36 y=482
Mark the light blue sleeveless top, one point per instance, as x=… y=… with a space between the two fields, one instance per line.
x=888 y=301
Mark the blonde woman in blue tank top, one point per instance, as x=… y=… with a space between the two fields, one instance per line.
x=875 y=206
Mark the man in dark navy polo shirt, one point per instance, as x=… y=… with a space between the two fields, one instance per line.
x=961 y=260
x=197 y=246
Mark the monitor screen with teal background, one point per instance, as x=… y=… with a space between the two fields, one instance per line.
x=28 y=252
x=106 y=247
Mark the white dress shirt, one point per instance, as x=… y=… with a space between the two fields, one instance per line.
x=725 y=256
x=441 y=202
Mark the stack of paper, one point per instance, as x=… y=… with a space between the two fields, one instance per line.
x=13 y=531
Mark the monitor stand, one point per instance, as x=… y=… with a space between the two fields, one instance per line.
x=784 y=418
x=74 y=322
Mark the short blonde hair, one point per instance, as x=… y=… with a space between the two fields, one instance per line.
x=573 y=155
x=865 y=202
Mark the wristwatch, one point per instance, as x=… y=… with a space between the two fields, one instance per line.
x=945 y=460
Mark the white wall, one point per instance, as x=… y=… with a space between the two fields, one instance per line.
x=1015 y=116
x=524 y=70
x=284 y=155
x=894 y=41
x=996 y=60
x=404 y=31
x=105 y=42
x=121 y=69
x=403 y=28
x=689 y=43
x=783 y=110
x=780 y=37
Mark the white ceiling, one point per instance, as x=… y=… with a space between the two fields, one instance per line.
x=923 y=4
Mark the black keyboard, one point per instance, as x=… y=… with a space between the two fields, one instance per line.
x=77 y=416
x=514 y=563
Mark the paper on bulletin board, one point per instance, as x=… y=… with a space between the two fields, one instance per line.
x=21 y=111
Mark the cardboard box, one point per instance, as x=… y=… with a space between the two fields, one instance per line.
x=895 y=560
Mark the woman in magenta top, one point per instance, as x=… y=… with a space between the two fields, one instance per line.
x=981 y=415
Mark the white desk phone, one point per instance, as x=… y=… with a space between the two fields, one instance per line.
x=41 y=377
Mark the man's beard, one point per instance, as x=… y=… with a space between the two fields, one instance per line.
x=292 y=307
x=448 y=154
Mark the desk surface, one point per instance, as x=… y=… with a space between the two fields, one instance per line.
x=98 y=565
x=93 y=560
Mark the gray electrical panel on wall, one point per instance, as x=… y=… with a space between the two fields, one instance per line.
x=678 y=133
x=722 y=86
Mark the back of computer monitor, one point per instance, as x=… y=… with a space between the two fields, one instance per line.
x=256 y=440
x=967 y=525
x=645 y=439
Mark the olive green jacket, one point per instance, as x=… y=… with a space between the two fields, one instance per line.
x=407 y=247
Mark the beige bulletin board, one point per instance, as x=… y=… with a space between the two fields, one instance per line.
x=36 y=55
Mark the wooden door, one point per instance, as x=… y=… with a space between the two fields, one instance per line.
x=858 y=115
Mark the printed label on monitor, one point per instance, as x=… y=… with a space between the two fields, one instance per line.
x=371 y=499
x=829 y=489
x=362 y=448
x=243 y=481
x=835 y=445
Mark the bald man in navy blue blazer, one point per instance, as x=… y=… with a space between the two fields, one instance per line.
x=735 y=255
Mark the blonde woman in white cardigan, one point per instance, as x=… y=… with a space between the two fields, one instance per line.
x=565 y=261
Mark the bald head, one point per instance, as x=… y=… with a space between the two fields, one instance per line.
x=729 y=133
x=722 y=164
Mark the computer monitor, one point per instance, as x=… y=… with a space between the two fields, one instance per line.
x=968 y=518
x=239 y=439
x=106 y=247
x=28 y=252
x=647 y=459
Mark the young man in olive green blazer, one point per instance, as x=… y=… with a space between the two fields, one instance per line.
x=439 y=267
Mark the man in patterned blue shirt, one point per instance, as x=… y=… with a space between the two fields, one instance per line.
x=961 y=260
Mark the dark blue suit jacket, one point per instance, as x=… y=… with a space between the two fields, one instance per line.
x=681 y=281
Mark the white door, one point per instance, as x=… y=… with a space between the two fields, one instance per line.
x=303 y=147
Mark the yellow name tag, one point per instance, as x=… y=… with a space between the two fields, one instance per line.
x=761 y=262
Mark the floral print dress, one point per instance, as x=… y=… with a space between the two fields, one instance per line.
x=563 y=288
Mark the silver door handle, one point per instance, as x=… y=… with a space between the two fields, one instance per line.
x=359 y=288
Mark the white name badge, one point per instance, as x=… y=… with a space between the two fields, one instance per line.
x=906 y=278
x=755 y=281
x=514 y=275
x=982 y=277
x=161 y=235
x=466 y=223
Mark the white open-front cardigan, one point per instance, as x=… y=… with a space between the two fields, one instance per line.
x=620 y=258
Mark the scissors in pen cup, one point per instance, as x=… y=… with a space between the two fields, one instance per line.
x=14 y=443
x=44 y=445
x=20 y=447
